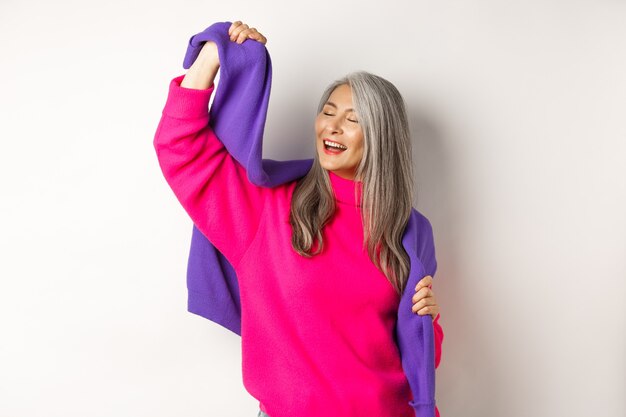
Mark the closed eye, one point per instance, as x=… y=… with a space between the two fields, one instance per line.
x=353 y=121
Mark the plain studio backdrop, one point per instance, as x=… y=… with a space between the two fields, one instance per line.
x=517 y=114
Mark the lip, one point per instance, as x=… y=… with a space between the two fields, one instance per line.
x=328 y=152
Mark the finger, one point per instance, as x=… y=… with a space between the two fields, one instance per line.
x=433 y=314
x=423 y=301
x=255 y=34
x=257 y=37
x=420 y=287
x=426 y=309
x=235 y=34
x=260 y=38
x=243 y=35
x=421 y=293
x=233 y=26
x=237 y=30
x=424 y=282
x=430 y=294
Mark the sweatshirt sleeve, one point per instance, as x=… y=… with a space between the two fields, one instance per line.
x=210 y=184
x=416 y=336
x=429 y=260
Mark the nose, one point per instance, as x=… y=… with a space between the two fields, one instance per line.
x=333 y=126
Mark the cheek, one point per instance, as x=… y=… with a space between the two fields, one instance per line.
x=359 y=141
x=360 y=148
x=317 y=124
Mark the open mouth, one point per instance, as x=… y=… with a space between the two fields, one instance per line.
x=334 y=147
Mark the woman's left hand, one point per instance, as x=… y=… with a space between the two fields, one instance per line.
x=424 y=301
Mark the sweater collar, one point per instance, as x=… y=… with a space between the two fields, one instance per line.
x=344 y=189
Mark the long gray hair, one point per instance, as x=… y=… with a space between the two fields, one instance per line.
x=386 y=173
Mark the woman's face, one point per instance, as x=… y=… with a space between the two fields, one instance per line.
x=338 y=122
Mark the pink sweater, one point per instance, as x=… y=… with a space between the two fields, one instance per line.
x=317 y=333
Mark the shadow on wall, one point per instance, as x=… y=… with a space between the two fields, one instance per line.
x=468 y=358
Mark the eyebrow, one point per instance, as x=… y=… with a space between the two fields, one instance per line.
x=330 y=103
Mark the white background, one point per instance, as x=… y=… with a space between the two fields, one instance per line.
x=518 y=115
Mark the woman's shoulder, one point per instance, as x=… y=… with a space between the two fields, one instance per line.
x=280 y=194
x=277 y=204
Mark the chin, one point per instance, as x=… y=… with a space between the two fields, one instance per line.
x=328 y=166
x=327 y=163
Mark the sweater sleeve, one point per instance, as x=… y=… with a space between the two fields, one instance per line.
x=430 y=263
x=210 y=184
x=429 y=260
x=427 y=254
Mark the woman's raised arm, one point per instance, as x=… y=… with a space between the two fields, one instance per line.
x=210 y=184
x=202 y=72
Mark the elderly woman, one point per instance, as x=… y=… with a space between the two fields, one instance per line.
x=320 y=262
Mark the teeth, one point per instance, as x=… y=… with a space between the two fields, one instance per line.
x=335 y=145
